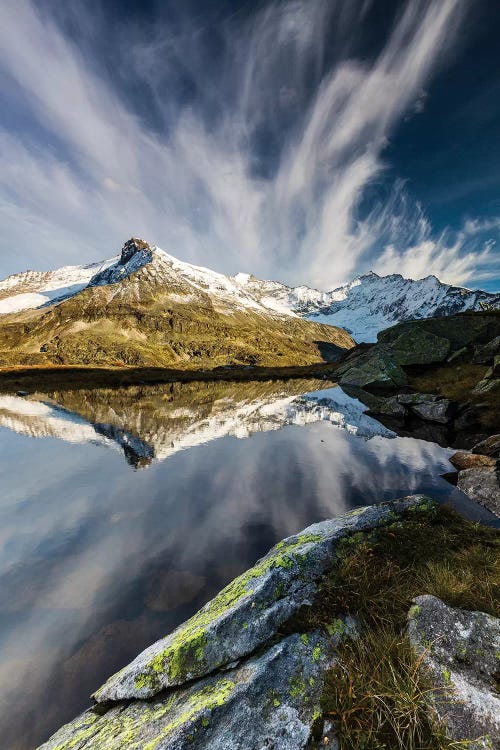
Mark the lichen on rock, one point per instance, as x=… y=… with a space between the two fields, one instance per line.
x=460 y=650
x=248 y=612
x=269 y=701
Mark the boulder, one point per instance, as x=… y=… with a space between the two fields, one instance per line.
x=248 y=612
x=465 y=460
x=442 y=410
x=460 y=330
x=269 y=701
x=487 y=384
x=410 y=399
x=375 y=371
x=482 y=486
x=489 y=447
x=390 y=407
x=459 y=650
x=421 y=348
x=483 y=355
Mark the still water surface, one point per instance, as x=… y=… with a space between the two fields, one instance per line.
x=123 y=511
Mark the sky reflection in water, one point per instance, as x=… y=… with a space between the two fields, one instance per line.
x=98 y=559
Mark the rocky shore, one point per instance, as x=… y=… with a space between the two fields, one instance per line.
x=253 y=668
x=438 y=379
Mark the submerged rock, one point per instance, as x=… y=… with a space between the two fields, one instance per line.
x=248 y=612
x=269 y=701
x=390 y=407
x=460 y=650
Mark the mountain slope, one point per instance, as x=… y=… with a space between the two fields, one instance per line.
x=146 y=310
x=364 y=306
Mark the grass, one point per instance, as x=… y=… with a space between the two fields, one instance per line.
x=456 y=381
x=377 y=693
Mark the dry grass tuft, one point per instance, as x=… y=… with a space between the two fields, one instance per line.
x=377 y=694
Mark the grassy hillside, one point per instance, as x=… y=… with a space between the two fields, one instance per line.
x=140 y=322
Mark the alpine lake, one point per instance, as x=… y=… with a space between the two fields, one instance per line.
x=124 y=510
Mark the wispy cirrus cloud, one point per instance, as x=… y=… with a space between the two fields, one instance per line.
x=255 y=158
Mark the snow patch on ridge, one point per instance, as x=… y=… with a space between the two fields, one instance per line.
x=31 y=289
x=364 y=306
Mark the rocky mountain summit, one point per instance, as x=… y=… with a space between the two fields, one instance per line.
x=147 y=309
x=256 y=666
x=364 y=306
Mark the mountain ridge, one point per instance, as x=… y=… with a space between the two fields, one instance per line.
x=364 y=306
x=147 y=309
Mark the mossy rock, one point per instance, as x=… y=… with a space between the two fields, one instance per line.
x=422 y=348
x=249 y=611
x=271 y=700
x=460 y=651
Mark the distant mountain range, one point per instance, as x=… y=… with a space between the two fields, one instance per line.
x=208 y=316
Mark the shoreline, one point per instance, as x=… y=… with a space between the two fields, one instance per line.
x=70 y=377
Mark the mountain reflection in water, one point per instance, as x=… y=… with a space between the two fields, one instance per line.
x=153 y=422
x=97 y=561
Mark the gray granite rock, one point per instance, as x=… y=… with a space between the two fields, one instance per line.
x=484 y=354
x=460 y=651
x=441 y=411
x=248 y=612
x=270 y=701
x=483 y=486
x=421 y=348
x=375 y=370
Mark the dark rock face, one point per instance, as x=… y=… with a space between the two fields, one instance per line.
x=489 y=447
x=483 y=486
x=130 y=248
x=375 y=371
x=460 y=650
x=459 y=330
x=440 y=352
x=484 y=354
x=441 y=411
x=422 y=348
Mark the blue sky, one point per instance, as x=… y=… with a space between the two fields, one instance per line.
x=303 y=140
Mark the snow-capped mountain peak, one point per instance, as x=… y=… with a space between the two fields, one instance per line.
x=364 y=306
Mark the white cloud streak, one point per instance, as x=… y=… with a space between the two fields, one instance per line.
x=88 y=172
